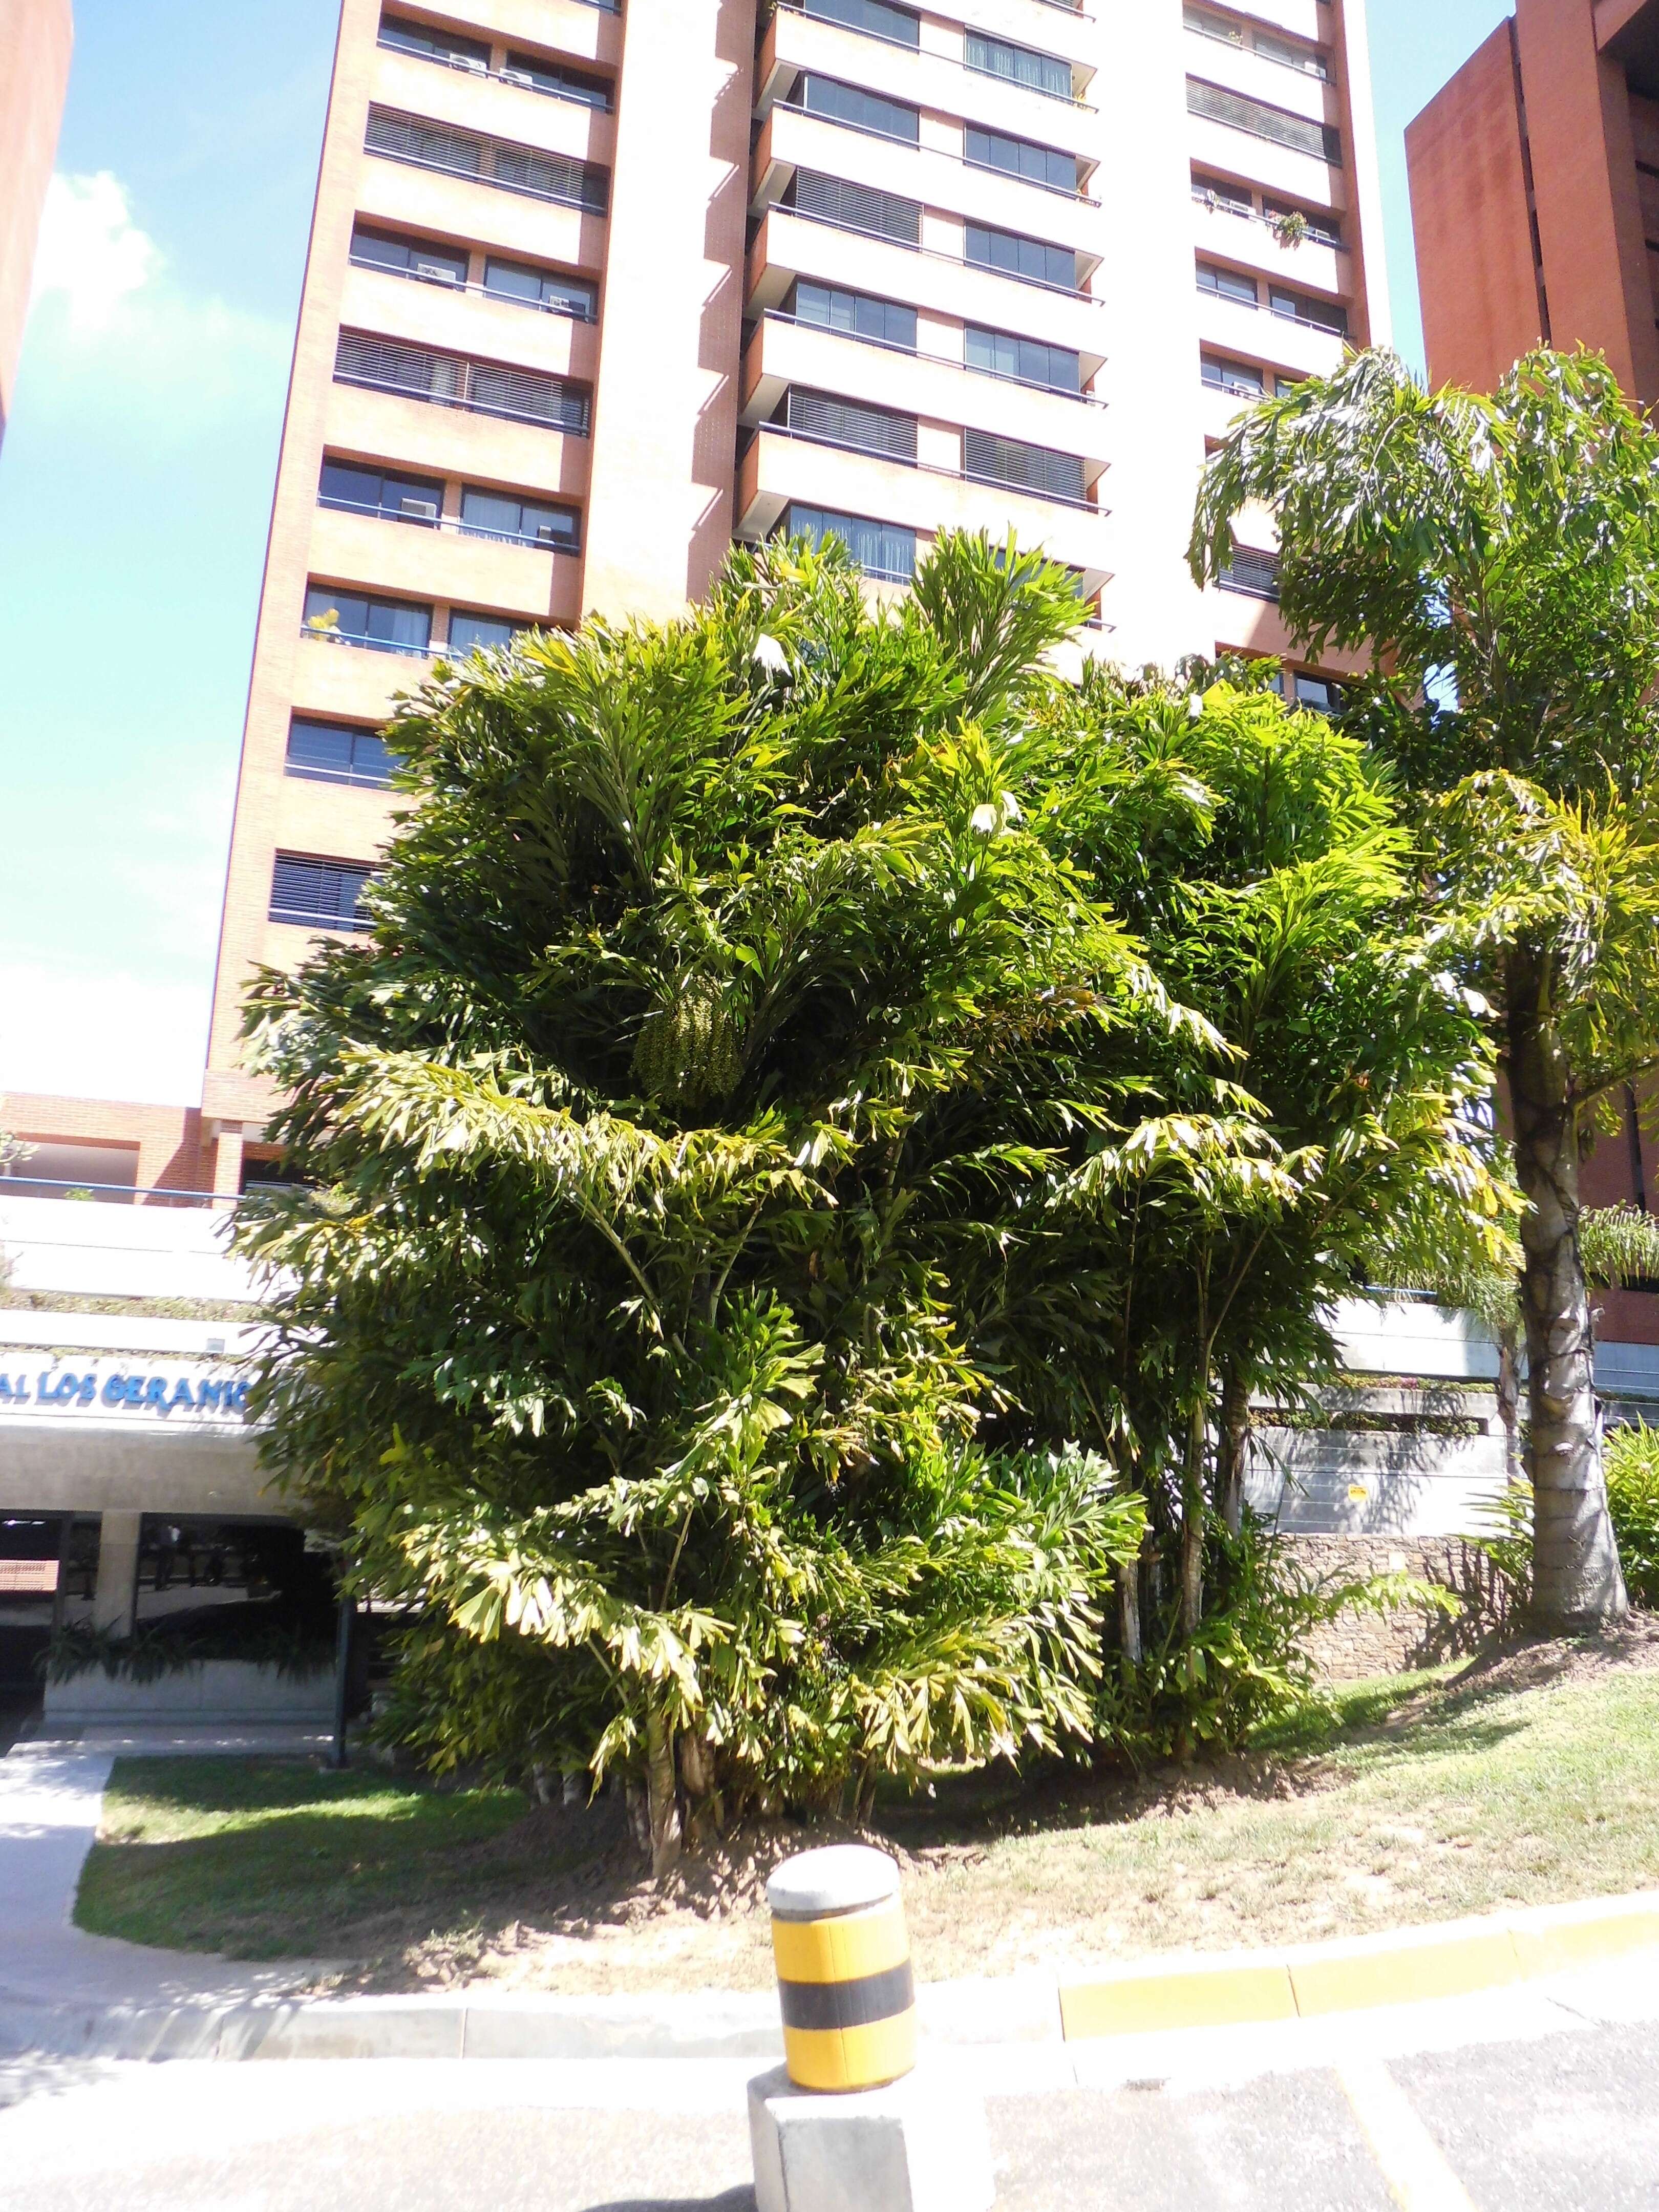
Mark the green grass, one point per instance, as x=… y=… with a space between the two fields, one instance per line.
x=273 y=1858
x=1422 y=1798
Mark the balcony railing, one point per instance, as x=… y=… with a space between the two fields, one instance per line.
x=1205 y=197
x=1075 y=199
x=420 y=143
x=1084 y=506
x=454 y=525
x=932 y=253
x=924 y=353
x=508 y=75
x=477 y=291
x=442 y=379
x=327 y=635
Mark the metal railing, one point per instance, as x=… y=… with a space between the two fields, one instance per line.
x=421 y=142
x=18 y=1186
x=932 y=253
x=446 y=379
x=922 y=353
x=328 y=636
x=1321 y=72
x=1084 y=506
x=454 y=525
x=482 y=291
x=1076 y=198
x=524 y=83
x=1253 y=305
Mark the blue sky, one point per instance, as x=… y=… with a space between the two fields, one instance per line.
x=135 y=493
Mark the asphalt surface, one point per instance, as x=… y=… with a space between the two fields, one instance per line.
x=1549 y=2124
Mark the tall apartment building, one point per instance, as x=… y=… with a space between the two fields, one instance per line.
x=1534 y=179
x=36 y=37
x=593 y=291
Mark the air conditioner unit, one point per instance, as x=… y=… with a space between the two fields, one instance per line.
x=419 y=510
x=547 y=534
x=431 y=273
x=519 y=76
x=470 y=62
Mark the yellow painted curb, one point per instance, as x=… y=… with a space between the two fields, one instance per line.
x=1137 y=2003
x=1404 y=1966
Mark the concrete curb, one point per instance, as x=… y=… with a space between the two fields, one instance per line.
x=1404 y=1967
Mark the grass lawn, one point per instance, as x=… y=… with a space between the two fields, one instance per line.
x=1532 y=1780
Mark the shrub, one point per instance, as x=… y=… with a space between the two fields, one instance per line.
x=1630 y=1458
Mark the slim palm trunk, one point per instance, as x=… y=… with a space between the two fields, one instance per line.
x=1576 y=1580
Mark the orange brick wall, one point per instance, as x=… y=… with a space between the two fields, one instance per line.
x=173 y=1154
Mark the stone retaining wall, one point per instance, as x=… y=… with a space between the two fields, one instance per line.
x=1362 y=1642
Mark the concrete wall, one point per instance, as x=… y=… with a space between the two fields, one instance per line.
x=116 y=1251
x=36 y=37
x=172 y=1151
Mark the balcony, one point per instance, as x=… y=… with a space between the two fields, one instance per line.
x=445 y=442
x=778 y=469
x=585 y=31
x=1248 y=238
x=789 y=245
x=457 y=380
x=393 y=195
x=478 y=157
x=791 y=139
x=1296 y=91
x=795 y=42
x=441 y=561
x=1233 y=151
x=457 y=321
x=468 y=100
x=785 y=352
x=1294 y=348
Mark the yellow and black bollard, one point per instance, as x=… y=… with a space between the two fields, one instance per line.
x=843 y=1962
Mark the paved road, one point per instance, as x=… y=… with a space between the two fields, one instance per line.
x=1551 y=2123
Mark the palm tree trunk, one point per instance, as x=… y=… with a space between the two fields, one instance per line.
x=1576 y=1580
x=662 y=1793
x=1234 y=1445
x=1508 y=1404
x=1192 y=1521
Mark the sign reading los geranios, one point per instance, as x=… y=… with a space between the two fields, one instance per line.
x=109 y=1389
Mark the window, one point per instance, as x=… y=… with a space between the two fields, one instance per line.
x=541 y=288
x=556 y=81
x=470 y=633
x=1233 y=376
x=434 y=46
x=1323 y=314
x=1022 y=158
x=1271 y=45
x=1252 y=571
x=428 y=145
x=1006 y=251
x=1026 y=361
x=1228 y=284
x=530 y=522
x=322 y=894
x=1299 y=132
x=885 y=321
x=877 y=17
x=1323 y=227
x=361 y=489
x=337 y=752
x=882 y=549
x=850 y=422
x=352 y=618
x=1291 y=54
x=1214 y=191
x=408 y=256
x=990 y=460
x=447 y=380
x=1044 y=73
x=856 y=207
x=1318 y=692
x=865 y=111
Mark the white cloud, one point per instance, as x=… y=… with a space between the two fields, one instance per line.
x=115 y=334
x=91 y=251
x=83 y=1033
